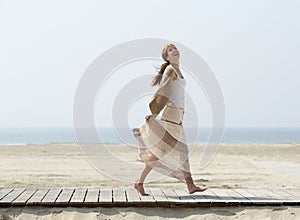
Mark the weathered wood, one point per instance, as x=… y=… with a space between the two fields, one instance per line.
x=105 y=196
x=64 y=197
x=254 y=199
x=78 y=196
x=264 y=197
x=279 y=194
x=10 y=197
x=209 y=194
x=201 y=199
x=245 y=194
x=186 y=200
x=287 y=197
x=132 y=196
x=294 y=192
x=270 y=194
x=259 y=194
x=148 y=200
x=171 y=196
x=92 y=196
x=158 y=197
x=237 y=197
x=184 y=196
x=224 y=197
x=119 y=196
x=51 y=197
x=4 y=192
x=24 y=197
x=37 y=197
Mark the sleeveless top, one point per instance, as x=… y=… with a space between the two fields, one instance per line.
x=177 y=98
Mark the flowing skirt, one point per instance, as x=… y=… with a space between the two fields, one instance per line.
x=162 y=144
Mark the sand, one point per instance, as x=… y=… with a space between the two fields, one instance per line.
x=246 y=213
x=234 y=166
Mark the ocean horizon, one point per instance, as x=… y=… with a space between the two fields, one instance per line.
x=25 y=136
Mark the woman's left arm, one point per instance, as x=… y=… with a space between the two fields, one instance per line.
x=161 y=97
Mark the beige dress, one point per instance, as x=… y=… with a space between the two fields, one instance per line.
x=161 y=142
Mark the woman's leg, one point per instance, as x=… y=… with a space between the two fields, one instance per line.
x=192 y=188
x=144 y=173
x=139 y=183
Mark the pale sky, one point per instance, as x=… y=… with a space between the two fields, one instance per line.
x=252 y=47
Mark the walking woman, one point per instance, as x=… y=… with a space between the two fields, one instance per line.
x=161 y=142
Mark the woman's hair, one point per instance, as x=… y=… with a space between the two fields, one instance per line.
x=156 y=80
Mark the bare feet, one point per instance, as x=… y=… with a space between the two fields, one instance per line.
x=140 y=188
x=194 y=189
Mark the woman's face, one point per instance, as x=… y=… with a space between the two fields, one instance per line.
x=173 y=54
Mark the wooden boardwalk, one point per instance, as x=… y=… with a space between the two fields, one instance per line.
x=93 y=197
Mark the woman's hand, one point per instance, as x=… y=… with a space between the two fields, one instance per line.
x=147 y=117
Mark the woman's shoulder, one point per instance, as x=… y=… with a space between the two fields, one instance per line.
x=169 y=71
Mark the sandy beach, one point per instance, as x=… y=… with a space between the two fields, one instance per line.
x=234 y=166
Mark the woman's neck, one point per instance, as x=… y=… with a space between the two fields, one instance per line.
x=175 y=65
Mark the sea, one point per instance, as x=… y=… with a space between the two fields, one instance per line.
x=25 y=136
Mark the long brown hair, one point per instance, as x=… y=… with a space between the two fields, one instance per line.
x=157 y=79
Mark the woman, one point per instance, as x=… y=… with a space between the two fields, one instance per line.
x=161 y=142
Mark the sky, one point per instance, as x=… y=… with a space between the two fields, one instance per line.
x=252 y=47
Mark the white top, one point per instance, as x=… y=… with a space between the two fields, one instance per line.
x=176 y=98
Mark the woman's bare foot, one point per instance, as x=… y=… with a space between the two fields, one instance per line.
x=193 y=189
x=140 y=188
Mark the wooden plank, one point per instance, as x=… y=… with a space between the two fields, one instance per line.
x=201 y=199
x=259 y=194
x=37 y=197
x=119 y=196
x=92 y=196
x=132 y=196
x=78 y=196
x=148 y=200
x=262 y=194
x=51 y=197
x=279 y=194
x=287 y=193
x=271 y=195
x=187 y=199
x=184 y=196
x=210 y=195
x=10 y=197
x=254 y=199
x=294 y=192
x=105 y=196
x=64 y=197
x=171 y=196
x=245 y=194
x=4 y=192
x=220 y=193
x=288 y=198
x=238 y=197
x=284 y=197
x=24 y=197
x=224 y=197
x=159 y=197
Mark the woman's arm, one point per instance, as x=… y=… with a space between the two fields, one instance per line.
x=161 y=96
